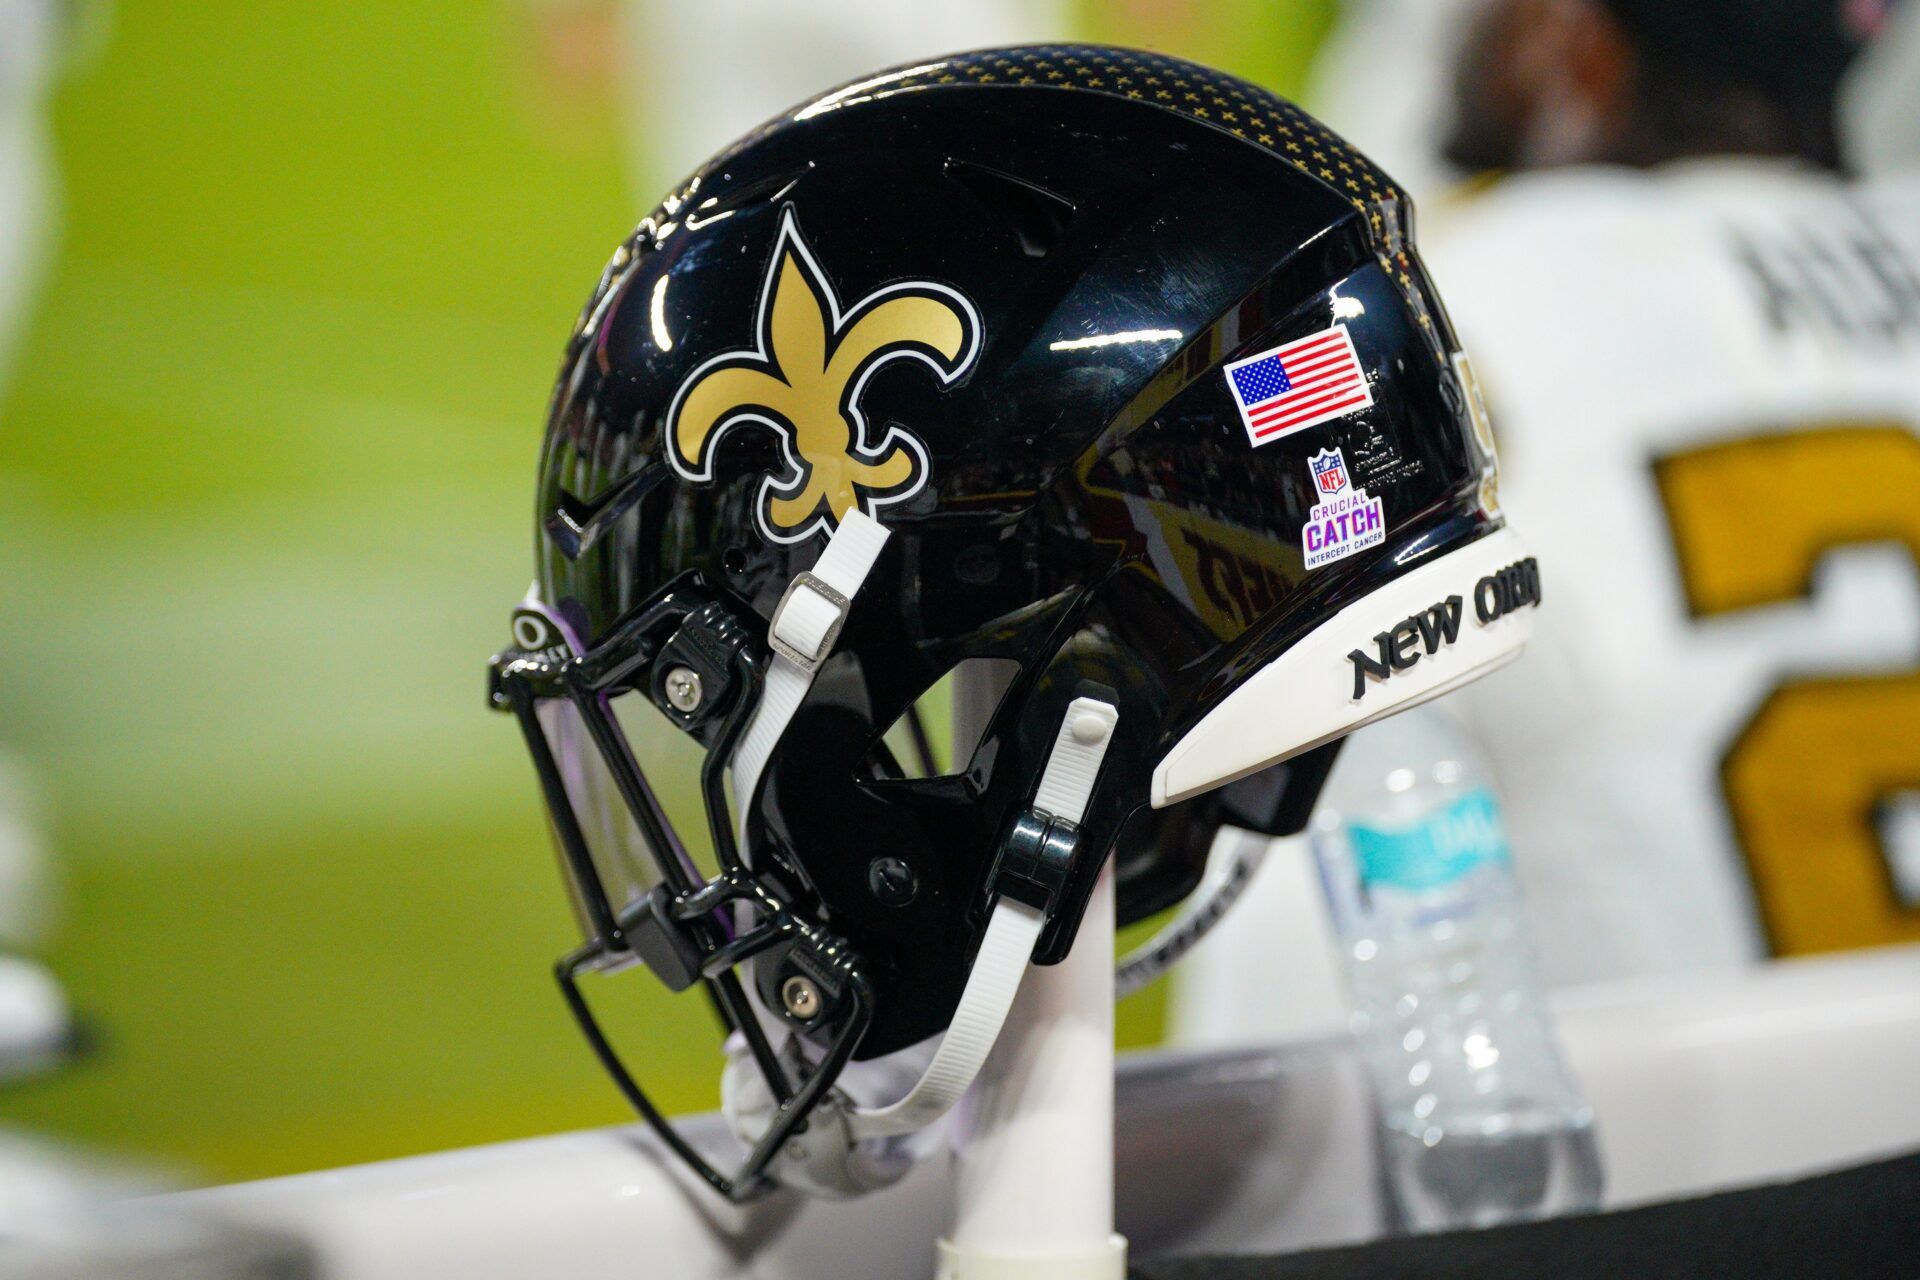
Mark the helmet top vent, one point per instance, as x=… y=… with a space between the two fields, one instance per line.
x=1036 y=216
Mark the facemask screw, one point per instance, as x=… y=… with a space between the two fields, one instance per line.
x=801 y=997
x=891 y=881
x=683 y=689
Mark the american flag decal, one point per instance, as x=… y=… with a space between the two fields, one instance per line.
x=1302 y=384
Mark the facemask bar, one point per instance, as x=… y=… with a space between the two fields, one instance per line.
x=680 y=929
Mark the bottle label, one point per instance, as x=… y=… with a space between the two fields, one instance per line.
x=1438 y=851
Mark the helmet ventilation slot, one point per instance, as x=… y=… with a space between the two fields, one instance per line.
x=1035 y=215
x=919 y=744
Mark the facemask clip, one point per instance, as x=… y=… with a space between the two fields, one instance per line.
x=693 y=677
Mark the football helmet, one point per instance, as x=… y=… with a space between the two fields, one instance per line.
x=1100 y=367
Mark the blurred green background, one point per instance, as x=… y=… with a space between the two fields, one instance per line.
x=265 y=475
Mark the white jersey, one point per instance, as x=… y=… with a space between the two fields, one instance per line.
x=1383 y=80
x=1706 y=386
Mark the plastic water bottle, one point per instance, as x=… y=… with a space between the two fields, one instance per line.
x=1478 y=1120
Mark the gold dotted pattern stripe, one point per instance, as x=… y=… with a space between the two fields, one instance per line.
x=1220 y=101
x=1233 y=105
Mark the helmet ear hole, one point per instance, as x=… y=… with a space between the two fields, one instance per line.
x=919 y=743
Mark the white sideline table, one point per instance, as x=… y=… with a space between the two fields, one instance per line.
x=1697 y=1084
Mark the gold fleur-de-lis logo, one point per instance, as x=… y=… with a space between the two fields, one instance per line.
x=803 y=379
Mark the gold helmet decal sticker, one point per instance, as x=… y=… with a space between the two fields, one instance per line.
x=803 y=379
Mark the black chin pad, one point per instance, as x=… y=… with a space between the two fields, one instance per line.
x=1162 y=853
x=1278 y=800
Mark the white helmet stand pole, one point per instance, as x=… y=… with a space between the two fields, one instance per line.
x=1033 y=1137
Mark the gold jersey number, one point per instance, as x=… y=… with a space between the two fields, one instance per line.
x=1809 y=777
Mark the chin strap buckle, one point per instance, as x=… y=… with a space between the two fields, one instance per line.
x=805 y=625
x=807 y=621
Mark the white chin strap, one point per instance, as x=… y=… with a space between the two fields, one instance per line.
x=1012 y=930
x=805 y=625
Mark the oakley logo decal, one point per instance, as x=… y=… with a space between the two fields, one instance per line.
x=538 y=634
x=803 y=379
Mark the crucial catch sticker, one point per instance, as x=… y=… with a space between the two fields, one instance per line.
x=1345 y=520
x=1300 y=384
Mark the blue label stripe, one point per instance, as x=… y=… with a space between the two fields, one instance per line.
x=1438 y=851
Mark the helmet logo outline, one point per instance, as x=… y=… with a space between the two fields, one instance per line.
x=803 y=380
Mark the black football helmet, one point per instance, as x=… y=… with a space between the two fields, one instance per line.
x=1099 y=366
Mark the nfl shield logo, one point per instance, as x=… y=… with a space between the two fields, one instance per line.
x=1329 y=471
